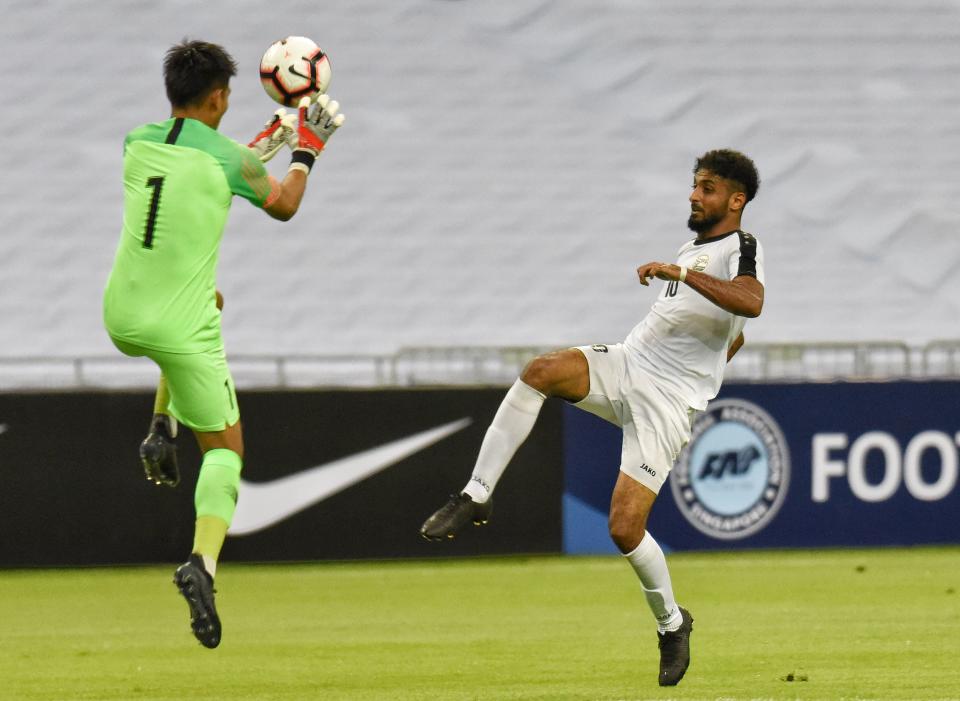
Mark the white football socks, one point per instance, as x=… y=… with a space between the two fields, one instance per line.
x=515 y=418
x=651 y=567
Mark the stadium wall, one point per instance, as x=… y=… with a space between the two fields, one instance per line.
x=506 y=165
x=787 y=465
x=352 y=474
x=329 y=475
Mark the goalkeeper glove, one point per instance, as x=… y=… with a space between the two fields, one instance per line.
x=275 y=133
x=315 y=126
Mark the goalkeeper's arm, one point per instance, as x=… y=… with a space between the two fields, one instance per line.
x=314 y=129
x=292 y=188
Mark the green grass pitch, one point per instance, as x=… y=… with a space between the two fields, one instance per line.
x=863 y=624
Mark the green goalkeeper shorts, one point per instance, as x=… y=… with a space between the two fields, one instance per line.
x=202 y=395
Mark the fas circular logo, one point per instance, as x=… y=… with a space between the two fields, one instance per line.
x=732 y=477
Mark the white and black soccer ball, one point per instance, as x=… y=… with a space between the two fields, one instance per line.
x=294 y=67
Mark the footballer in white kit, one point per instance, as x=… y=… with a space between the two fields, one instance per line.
x=669 y=366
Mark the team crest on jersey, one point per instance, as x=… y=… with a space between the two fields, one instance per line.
x=731 y=479
x=700 y=264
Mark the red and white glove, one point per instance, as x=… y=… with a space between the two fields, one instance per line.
x=315 y=126
x=275 y=133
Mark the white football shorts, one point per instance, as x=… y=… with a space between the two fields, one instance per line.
x=656 y=425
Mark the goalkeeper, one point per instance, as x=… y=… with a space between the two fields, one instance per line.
x=161 y=301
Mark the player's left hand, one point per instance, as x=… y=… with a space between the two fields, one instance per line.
x=663 y=271
x=275 y=133
x=316 y=124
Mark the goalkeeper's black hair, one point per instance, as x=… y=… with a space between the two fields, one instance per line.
x=733 y=166
x=191 y=69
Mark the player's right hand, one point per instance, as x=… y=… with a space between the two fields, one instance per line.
x=664 y=271
x=316 y=124
x=274 y=134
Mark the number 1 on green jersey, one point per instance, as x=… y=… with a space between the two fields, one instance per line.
x=156 y=182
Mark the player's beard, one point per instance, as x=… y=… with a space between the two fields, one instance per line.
x=703 y=224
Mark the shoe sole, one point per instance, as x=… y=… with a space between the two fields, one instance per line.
x=450 y=534
x=204 y=623
x=479 y=517
x=153 y=465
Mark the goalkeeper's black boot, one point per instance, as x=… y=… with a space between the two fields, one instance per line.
x=450 y=517
x=675 y=651
x=158 y=452
x=196 y=586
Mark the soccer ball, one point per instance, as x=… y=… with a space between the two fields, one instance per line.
x=294 y=67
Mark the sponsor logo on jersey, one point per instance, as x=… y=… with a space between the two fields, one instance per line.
x=732 y=478
x=599 y=348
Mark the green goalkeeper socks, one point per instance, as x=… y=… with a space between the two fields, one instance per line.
x=215 y=501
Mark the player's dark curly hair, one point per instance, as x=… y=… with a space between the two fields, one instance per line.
x=733 y=166
x=191 y=69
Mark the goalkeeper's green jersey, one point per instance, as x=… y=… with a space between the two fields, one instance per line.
x=179 y=178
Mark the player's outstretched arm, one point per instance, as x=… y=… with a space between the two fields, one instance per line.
x=742 y=296
x=315 y=127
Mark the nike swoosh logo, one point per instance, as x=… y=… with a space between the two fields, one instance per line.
x=263 y=504
x=297 y=73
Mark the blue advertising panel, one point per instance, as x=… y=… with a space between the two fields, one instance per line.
x=787 y=465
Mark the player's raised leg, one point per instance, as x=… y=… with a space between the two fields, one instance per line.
x=629 y=508
x=158 y=451
x=562 y=374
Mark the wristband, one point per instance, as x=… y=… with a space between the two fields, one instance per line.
x=683 y=274
x=302 y=160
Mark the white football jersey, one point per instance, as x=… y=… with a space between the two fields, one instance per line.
x=682 y=343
